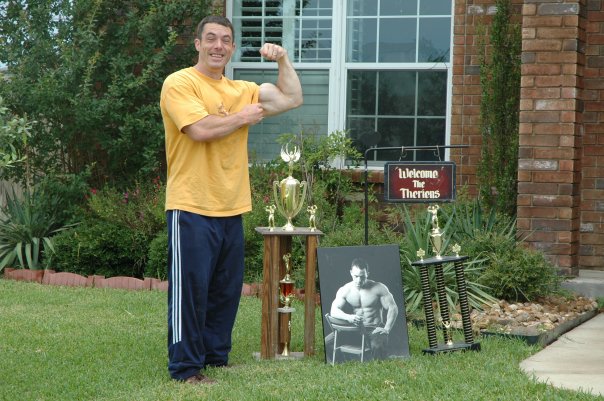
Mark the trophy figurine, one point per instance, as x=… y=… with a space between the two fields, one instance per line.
x=312 y=222
x=286 y=288
x=420 y=254
x=448 y=337
x=436 y=234
x=289 y=193
x=456 y=248
x=271 y=217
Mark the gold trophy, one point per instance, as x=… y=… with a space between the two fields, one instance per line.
x=436 y=235
x=312 y=219
x=448 y=337
x=289 y=193
x=271 y=217
x=456 y=248
x=286 y=288
x=286 y=296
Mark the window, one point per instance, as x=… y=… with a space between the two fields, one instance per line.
x=380 y=69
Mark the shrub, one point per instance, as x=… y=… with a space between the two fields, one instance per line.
x=100 y=247
x=520 y=274
x=117 y=231
x=157 y=259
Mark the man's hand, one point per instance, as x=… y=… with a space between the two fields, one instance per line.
x=272 y=51
x=357 y=320
x=252 y=113
x=380 y=330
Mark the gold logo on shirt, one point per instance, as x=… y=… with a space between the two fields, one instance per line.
x=222 y=110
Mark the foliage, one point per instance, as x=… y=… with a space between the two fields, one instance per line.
x=520 y=274
x=14 y=134
x=499 y=111
x=101 y=247
x=27 y=225
x=115 y=236
x=157 y=258
x=89 y=72
x=140 y=208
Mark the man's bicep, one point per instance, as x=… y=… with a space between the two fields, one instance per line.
x=272 y=99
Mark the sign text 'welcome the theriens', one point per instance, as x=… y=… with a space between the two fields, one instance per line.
x=419 y=181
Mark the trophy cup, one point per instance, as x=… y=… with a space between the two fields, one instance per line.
x=289 y=193
x=286 y=295
x=436 y=234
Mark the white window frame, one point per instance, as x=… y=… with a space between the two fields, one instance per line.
x=338 y=70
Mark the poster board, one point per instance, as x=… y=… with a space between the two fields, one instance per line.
x=342 y=296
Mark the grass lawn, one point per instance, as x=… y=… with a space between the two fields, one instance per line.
x=69 y=344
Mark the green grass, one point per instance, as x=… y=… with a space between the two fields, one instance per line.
x=101 y=344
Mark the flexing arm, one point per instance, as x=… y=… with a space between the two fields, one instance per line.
x=214 y=127
x=287 y=93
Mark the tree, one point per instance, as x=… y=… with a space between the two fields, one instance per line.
x=499 y=112
x=90 y=73
x=14 y=133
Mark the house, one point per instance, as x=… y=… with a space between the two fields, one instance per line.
x=406 y=73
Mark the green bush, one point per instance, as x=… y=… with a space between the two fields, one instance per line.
x=520 y=274
x=118 y=228
x=100 y=247
x=157 y=259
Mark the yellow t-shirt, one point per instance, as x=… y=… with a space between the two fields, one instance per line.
x=207 y=178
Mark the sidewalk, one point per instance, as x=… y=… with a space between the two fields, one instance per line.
x=575 y=361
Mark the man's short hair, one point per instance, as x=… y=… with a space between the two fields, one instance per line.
x=360 y=263
x=214 y=19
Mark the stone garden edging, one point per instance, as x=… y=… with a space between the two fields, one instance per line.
x=50 y=277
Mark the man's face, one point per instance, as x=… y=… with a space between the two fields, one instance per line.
x=359 y=276
x=215 y=47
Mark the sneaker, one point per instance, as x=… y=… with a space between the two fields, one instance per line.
x=199 y=379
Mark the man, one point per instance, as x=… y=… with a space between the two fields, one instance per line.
x=362 y=302
x=206 y=119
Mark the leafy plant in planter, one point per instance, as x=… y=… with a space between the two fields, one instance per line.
x=26 y=229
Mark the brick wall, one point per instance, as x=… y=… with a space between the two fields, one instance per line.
x=551 y=124
x=591 y=233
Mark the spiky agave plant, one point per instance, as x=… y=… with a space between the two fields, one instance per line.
x=26 y=230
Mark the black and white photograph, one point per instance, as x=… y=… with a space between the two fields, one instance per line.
x=362 y=303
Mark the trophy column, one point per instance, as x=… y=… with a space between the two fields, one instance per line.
x=448 y=345
x=277 y=244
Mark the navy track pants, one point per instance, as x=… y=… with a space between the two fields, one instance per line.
x=205 y=276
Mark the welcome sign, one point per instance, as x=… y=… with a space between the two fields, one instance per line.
x=419 y=182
